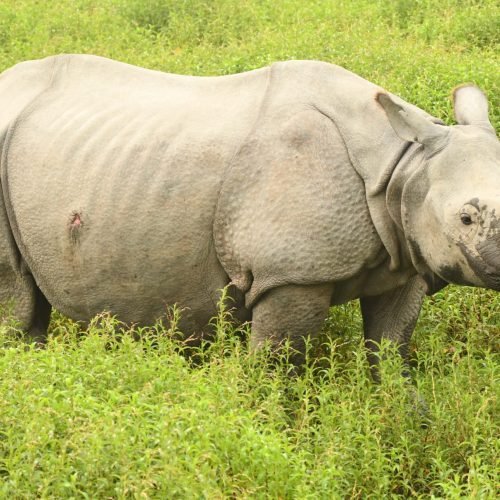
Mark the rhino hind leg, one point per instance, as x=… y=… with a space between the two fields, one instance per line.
x=290 y=313
x=20 y=296
x=40 y=318
x=23 y=300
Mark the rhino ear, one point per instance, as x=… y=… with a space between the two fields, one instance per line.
x=411 y=123
x=470 y=106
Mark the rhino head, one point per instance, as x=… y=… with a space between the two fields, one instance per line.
x=450 y=197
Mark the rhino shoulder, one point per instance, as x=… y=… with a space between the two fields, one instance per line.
x=285 y=204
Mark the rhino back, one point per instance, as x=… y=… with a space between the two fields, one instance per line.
x=112 y=177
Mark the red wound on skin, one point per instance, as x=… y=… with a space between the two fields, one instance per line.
x=76 y=221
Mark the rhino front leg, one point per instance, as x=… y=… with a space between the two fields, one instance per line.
x=290 y=312
x=392 y=316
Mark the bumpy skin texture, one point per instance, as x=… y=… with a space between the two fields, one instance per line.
x=301 y=184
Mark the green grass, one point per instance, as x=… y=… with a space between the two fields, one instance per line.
x=101 y=414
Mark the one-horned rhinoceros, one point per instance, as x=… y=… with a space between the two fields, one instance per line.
x=302 y=184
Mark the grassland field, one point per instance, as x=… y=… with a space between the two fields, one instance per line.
x=100 y=413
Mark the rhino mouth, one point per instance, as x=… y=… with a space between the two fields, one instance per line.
x=486 y=265
x=489 y=250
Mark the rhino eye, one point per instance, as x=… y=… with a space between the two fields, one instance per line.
x=466 y=219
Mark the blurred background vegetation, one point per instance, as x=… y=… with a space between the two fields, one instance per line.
x=419 y=49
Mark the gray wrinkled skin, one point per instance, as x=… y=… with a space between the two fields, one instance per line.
x=303 y=185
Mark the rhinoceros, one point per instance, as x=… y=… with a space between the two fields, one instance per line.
x=301 y=185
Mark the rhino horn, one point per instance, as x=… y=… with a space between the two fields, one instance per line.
x=411 y=124
x=470 y=106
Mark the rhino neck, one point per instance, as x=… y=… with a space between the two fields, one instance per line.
x=405 y=194
x=411 y=160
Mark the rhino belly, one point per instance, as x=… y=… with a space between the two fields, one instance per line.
x=112 y=215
